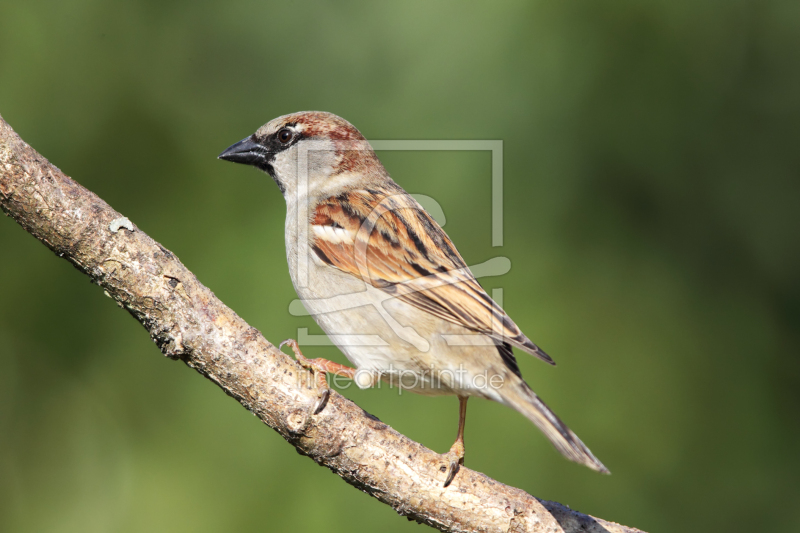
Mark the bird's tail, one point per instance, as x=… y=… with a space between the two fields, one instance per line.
x=524 y=400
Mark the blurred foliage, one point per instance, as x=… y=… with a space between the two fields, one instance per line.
x=651 y=190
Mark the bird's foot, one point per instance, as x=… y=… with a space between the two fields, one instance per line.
x=319 y=368
x=321 y=383
x=455 y=458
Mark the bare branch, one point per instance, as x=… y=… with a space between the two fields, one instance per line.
x=188 y=322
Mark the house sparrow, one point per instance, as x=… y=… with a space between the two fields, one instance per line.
x=367 y=261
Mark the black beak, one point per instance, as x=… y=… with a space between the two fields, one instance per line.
x=246 y=151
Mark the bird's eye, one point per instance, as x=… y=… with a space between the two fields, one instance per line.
x=285 y=135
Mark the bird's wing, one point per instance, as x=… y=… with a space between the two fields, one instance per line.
x=384 y=237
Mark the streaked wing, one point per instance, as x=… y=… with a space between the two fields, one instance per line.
x=384 y=237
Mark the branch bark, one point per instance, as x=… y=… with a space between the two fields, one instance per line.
x=188 y=322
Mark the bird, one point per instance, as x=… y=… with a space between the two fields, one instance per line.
x=368 y=262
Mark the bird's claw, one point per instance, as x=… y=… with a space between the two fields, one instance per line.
x=452 y=470
x=321 y=401
x=455 y=458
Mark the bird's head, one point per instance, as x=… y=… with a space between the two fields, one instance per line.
x=313 y=153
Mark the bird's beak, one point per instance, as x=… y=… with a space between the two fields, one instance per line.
x=246 y=151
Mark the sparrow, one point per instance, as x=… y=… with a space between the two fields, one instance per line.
x=385 y=282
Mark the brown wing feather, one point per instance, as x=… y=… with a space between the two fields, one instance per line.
x=396 y=246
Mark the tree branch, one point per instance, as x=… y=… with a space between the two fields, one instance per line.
x=188 y=322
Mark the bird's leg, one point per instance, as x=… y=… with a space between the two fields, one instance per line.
x=319 y=367
x=456 y=453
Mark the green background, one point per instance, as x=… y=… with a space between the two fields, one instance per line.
x=652 y=179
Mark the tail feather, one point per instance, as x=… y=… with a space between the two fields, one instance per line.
x=565 y=441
